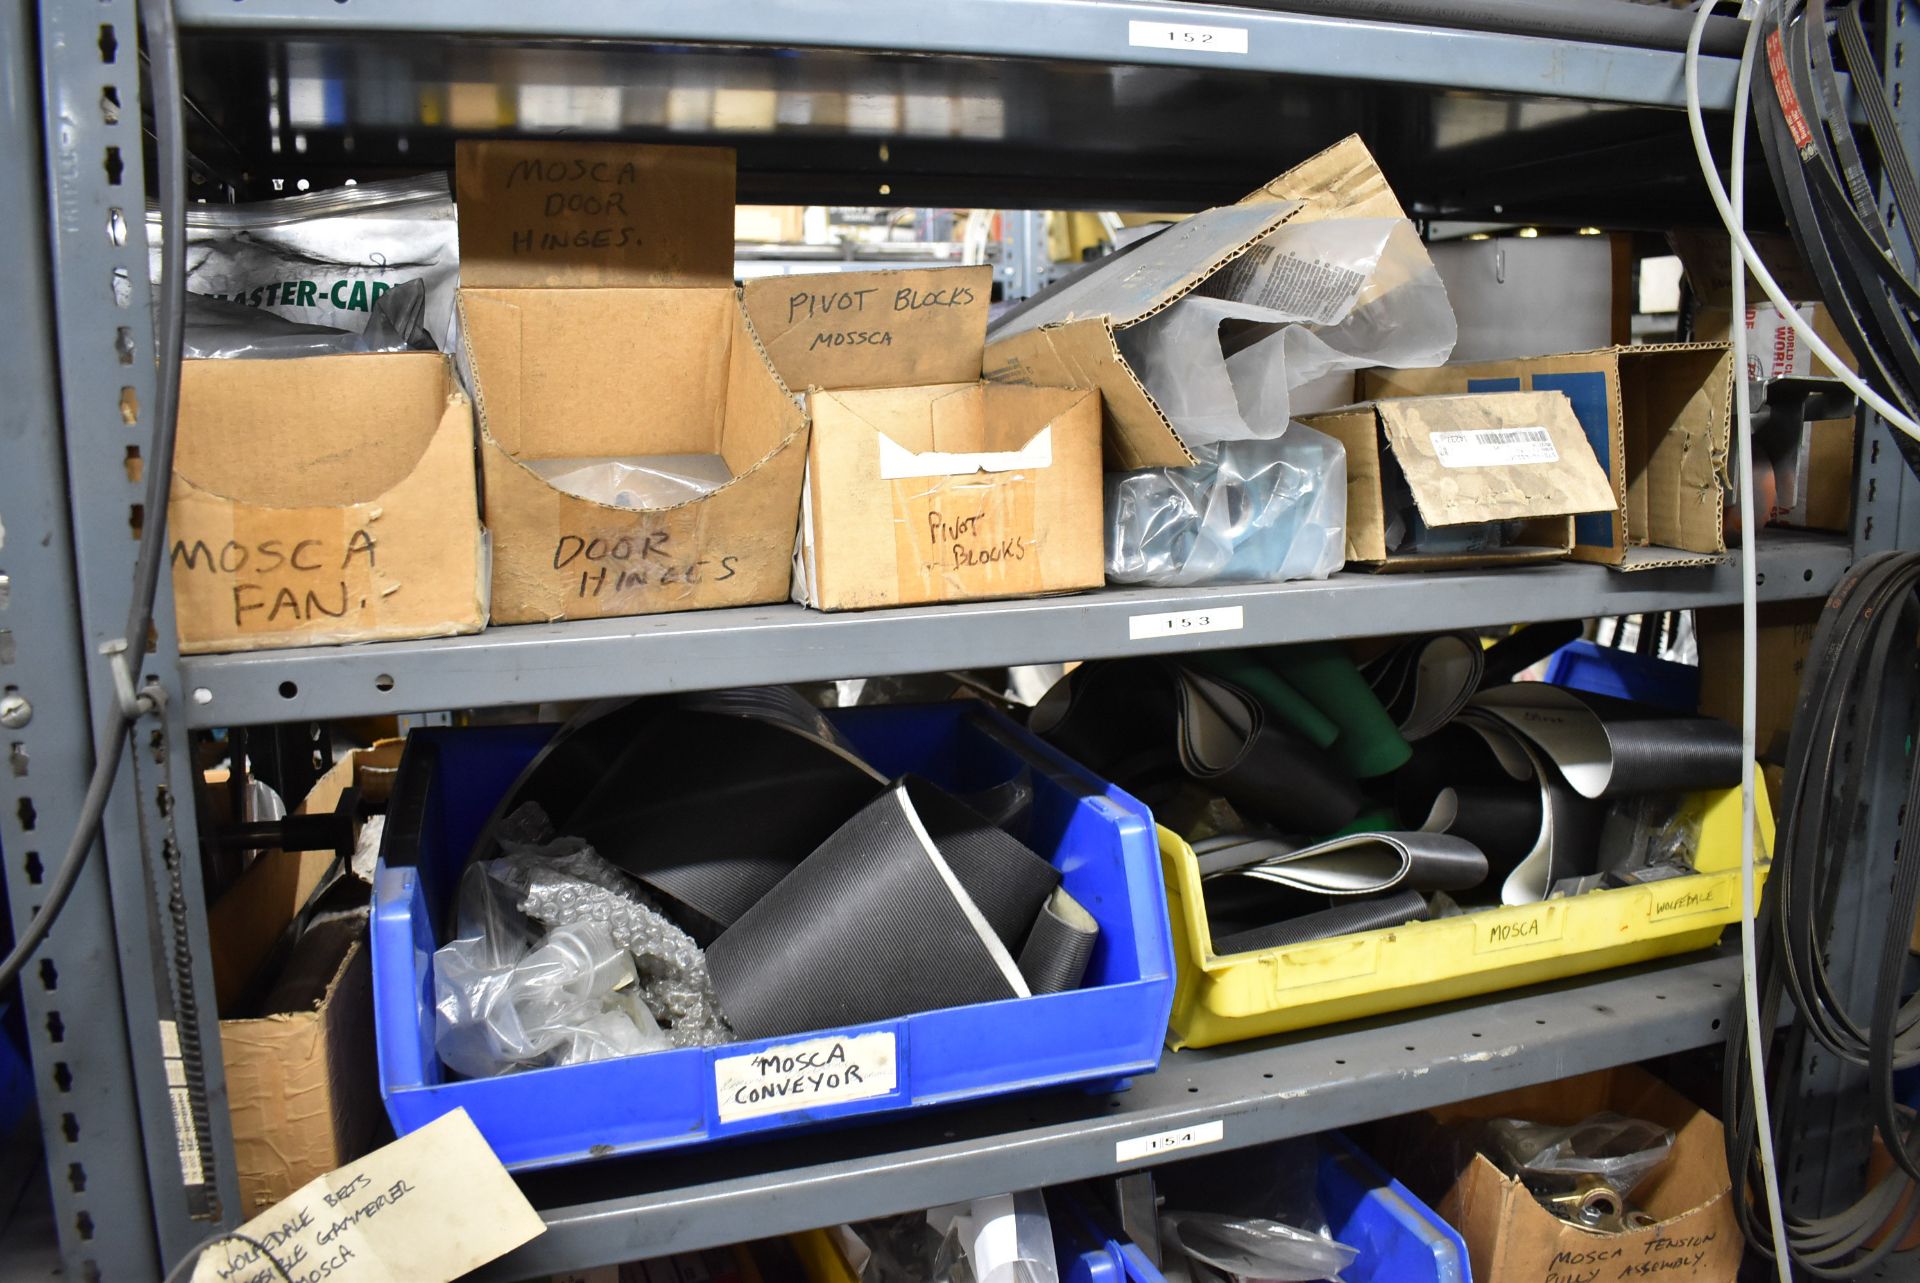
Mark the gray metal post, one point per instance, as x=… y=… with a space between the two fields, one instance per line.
x=82 y=1070
x=90 y=71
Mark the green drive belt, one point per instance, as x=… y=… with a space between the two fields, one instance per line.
x=915 y=903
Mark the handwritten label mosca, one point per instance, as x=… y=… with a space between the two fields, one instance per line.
x=1173 y=35
x=805 y=1075
x=1494 y=447
x=1211 y=1132
x=1517 y=930
x=1221 y=619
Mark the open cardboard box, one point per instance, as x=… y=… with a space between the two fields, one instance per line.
x=1467 y=460
x=302 y=1086
x=949 y=493
x=923 y=483
x=599 y=321
x=1069 y=336
x=1511 y=1238
x=324 y=499
x=1658 y=418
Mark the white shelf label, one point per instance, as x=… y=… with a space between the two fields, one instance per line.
x=1173 y=35
x=1207 y=1133
x=1493 y=447
x=1221 y=619
x=804 y=1075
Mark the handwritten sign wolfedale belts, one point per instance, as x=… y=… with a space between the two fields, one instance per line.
x=425 y=1209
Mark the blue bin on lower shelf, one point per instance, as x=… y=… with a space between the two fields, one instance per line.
x=1101 y=841
x=1398 y=1238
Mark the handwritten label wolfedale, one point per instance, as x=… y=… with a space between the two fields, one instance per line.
x=805 y=1075
x=426 y=1209
x=1210 y=1132
x=545 y=214
x=277 y=583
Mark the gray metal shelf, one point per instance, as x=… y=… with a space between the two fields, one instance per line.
x=1261 y=1091
x=782 y=643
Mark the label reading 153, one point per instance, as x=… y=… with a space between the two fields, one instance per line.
x=1221 y=619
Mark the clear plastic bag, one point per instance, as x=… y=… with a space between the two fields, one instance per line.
x=505 y=999
x=1004 y=1238
x=218 y=329
x=1253 y=512
x=636 y=481
x=1248 y=1248
x=1309 y=301
x=1619 y=1150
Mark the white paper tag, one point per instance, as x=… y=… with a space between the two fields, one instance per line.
x=1173 y=35
x=897 y=463
x=1207 y=1133
x=1494 y=447
x=1179 y=623
x=428 y=1208
x=804 y=1075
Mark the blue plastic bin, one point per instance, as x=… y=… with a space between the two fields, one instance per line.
x=1101 y=841
x=1625 y=674
x=1400 y=1240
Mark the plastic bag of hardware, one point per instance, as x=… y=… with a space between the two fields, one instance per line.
x=1247 y=1248
x=506 y=998
x=1250 y=512
x=1004 y=1238
x=637 y=481
x=1310 y=301
x=220 y=329
x=326 y=257
x=1620 y=1150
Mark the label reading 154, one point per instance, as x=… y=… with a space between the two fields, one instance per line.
x=1220 y=619
x=1207 y=1133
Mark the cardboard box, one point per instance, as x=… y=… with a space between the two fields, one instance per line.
x=770 y=224
x=898 y=329
x=1512 y=1239
x=599 y=322
x=324 y=499
x=1658 y=418
x=302 y=1088
x=1492 y=457
x=950 y=493
x=1784 y=638
x=1067 y=337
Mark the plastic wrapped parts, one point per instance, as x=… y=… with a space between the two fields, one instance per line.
x=1251 y=512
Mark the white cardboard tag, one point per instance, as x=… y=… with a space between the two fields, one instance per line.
x=897 y=463
x=804 y=1075
x=1494 y=447
x=428 y=1208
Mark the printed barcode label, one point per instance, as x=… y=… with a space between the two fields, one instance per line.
x=805 y=1075
x=1224 y=619
x=1494 y=447
x=186 y=1133
x=1172 y=35
x=1207 y=1133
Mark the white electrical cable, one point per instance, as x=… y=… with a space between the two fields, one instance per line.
x=1750 y=621
x=1757 y=1035
x=1696 y=123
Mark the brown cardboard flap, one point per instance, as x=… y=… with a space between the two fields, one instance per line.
x=1083 y=354
x=318 y=431
x=1153 y=274
x=541 y=214
x=574 y=373
x=1357 y=429
x=1343 y=181
x=761 y=416
x=1009 y=505
x=1682 y=398
x=873 y=329
x=1479 y=458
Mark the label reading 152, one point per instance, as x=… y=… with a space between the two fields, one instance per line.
x=1170 y=35
x=1221 y=619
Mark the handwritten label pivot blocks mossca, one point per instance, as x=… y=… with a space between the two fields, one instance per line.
x=865 y=317
x=805 y=1075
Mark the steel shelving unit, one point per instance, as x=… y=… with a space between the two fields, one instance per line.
x=1019 y=103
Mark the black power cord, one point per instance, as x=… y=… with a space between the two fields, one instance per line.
x=1842 y=722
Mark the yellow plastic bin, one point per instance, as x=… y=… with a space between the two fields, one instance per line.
x=1220 y=999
